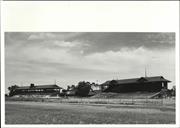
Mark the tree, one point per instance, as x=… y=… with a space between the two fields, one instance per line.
x=173 y=91
x=12 y=90
x=83 y=88
x=64 y=93
x=73 y=87
x=68 y=88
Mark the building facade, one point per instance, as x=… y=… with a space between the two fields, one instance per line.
x=36 y=90
x=142 y=84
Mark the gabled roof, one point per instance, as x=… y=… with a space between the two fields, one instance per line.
x=41 y=87
x=138 y=80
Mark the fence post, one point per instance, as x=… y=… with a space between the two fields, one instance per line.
x=146 y=100
x=132 y=99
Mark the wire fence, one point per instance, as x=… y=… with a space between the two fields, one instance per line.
x=132 y=101
x=118 y=101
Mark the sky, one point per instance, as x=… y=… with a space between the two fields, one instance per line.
x=65 y=58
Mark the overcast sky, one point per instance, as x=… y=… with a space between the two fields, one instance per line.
x=68 y=58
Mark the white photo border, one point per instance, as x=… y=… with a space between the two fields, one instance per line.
x=97 y=16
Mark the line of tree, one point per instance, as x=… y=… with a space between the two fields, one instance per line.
x=82 y=89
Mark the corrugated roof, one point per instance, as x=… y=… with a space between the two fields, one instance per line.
x=40 y=87
x=138 y=80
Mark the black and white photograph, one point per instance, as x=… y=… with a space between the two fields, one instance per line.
x=90 y=78
x=90 y=64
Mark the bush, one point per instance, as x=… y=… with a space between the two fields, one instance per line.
x=83 y=88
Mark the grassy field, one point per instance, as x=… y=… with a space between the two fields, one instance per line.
x=20 y=112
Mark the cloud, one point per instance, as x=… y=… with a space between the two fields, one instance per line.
x=69 y=44
x=93 y=42
x=71 y=57
x=127 y=59
x=40 y=36
x=52 y=35
x=106 y=41
x=110 y=61
x=65 y=44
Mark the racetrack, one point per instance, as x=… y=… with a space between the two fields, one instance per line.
x=23 y=112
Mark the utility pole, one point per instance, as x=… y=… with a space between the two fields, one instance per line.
x=55 y=81
x=145 y=72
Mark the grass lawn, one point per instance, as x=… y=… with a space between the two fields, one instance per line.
x=61 y=113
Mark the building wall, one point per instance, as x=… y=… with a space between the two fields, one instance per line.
x=135 y=87
x=36 y=91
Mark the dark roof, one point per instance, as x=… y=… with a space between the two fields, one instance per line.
x=41 y=87
x=141 y=79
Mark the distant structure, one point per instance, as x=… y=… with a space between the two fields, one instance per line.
x=142 y=84
x=145 y=73
x=36 y=90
